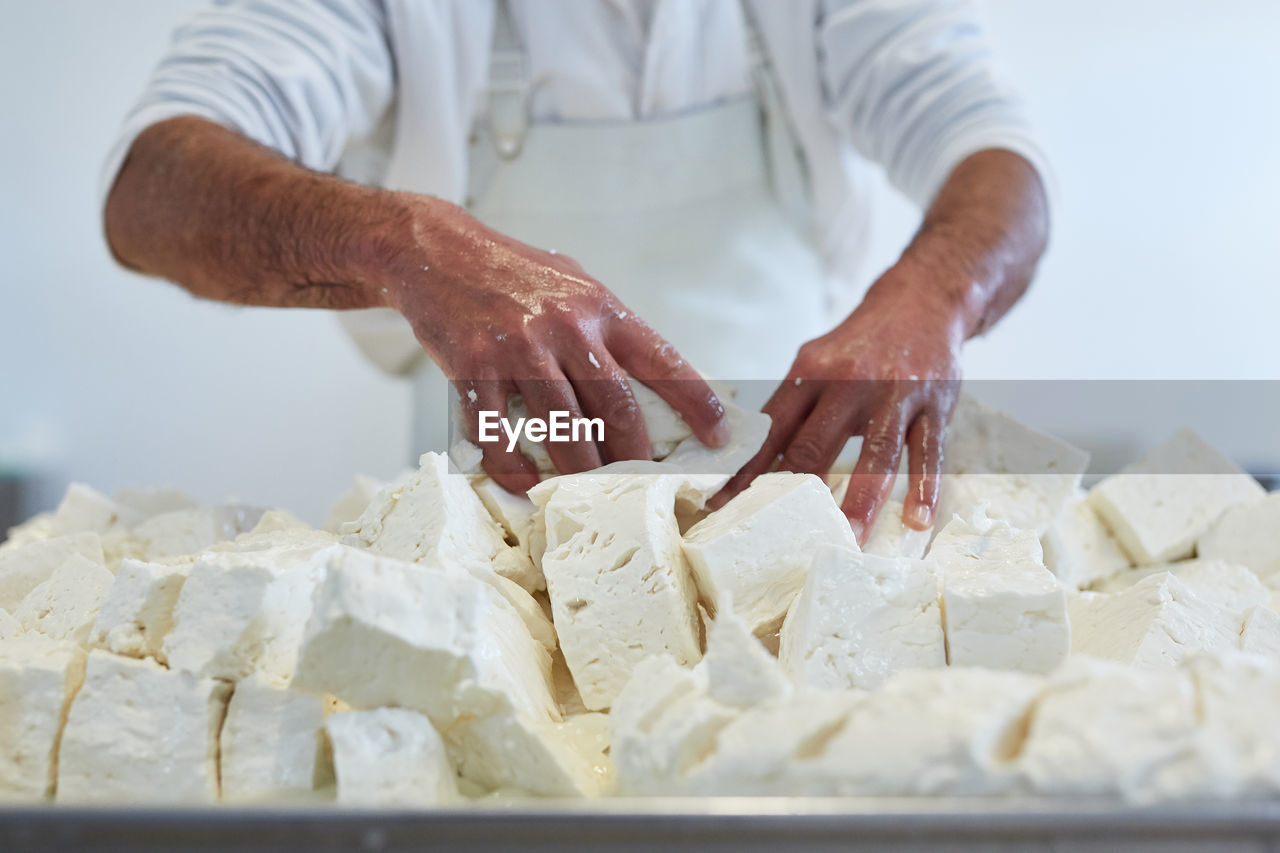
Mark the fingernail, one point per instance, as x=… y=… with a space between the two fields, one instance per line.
x=859 y=532
x=920 y=517
x=720 y=434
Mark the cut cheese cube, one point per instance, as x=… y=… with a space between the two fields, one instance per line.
x=1154 y=624
x=84 y=510
x=1247 y=534
x=1102 y=729
x=1231 y=587
x=740 y=673
x=190 y=531
x=140 y=733
x=352 y=503
x=860 y=618
x=9 y=626
x=433 y=516
x=891 y=537
x=1241 y=745
x=1002 y=609
x=390 y=757
x=942 y=732
x=756 y=549
x=137 y=613
x=1079 y=549
x=1261 y=632
x=38 y=678
x=273 y=742
x=709 y=468
x=146 y=503
x=1160 y=505
x=515 y=514
x=1024 y=477
x=65 y=606
x=619 y=585
x=24 y=567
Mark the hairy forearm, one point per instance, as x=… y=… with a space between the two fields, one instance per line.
x=981 y=238
x=232 y=221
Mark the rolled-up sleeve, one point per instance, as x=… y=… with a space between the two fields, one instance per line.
x=303 y=77
x=913 y=84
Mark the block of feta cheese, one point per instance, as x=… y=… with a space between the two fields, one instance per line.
x=38 y=678
x=1161 y=504
x=448 y=645
x=1261 y=632
x=352 y=503
x=890 y=537
x=937 y=732
x=515 y=513
x=25 y=567
x=1078 y=547
x=9 y=626
x=241 y=612
x=35 y=529
x=272 y=742
x=619 y=585
x=860 y=618
x=1001 y=607
x=663 y=724
x=1240 y=740
x=740 y=672
x=1247 y=534
x=1024 y=477
x=433 y=515
x=756 y=549
x=390 y=757
x=1103 y=729
x=140 y=733
x=711 y=468
x=65 y=606
x=137 y=613
x=145 y=503
x=1154 y=624
x=1228 y=586
x=190 y=531
x=85 y=510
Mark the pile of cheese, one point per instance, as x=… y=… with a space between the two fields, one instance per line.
x=442 y=640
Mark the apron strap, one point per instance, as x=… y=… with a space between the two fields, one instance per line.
x=507 y=96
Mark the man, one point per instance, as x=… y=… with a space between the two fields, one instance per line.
x=628 y=133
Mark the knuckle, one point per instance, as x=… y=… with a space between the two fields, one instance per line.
x=804 y=454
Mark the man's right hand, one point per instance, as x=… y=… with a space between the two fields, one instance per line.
x=502 y=318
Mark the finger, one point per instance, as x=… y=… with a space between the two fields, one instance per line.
x=488 y=399
x=605 y=392
x=787 y=408
x=924 y=470
x=819 y=440
x=555 y=394
x=644 y=354
x=877 y=467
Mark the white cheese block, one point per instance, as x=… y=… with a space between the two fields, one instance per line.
x=515 y=514
x=860 y=618
x=712 y=468
x=433 y=516
x=663 y=724
x=1228 y=586
x=9 y=626
x=1002 y=608
x=740 y=673
x=1154 y=624
x=1161 y=504
x=1079 y=549
x=241 y=612
x=65 y=606
x=24 y=567
x=85 y=510
x=1247 y=534
x=137 y=613
x=140 y=733
x=1023 y=476
x=390 y=757
x=272 y=742
x=1241 y=742
x=943 y=732
x=352 y=503
x=38 y=678
x=619 y=585
x=35 y=529
x=756 y=549
x=1261 y=632
x=147 y=503
x=1102 y=729
x=890 y=537
x=190 y=531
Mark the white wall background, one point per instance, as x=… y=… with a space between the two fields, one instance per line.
x=1161 y=116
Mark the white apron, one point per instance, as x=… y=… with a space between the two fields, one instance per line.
x=695 y=221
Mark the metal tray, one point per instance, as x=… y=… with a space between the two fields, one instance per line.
x=717 y=824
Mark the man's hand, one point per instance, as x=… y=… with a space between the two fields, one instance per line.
x=503 y=318
x=890 y=372
x=231 y=221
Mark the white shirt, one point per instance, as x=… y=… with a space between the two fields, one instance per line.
x=907 y=84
